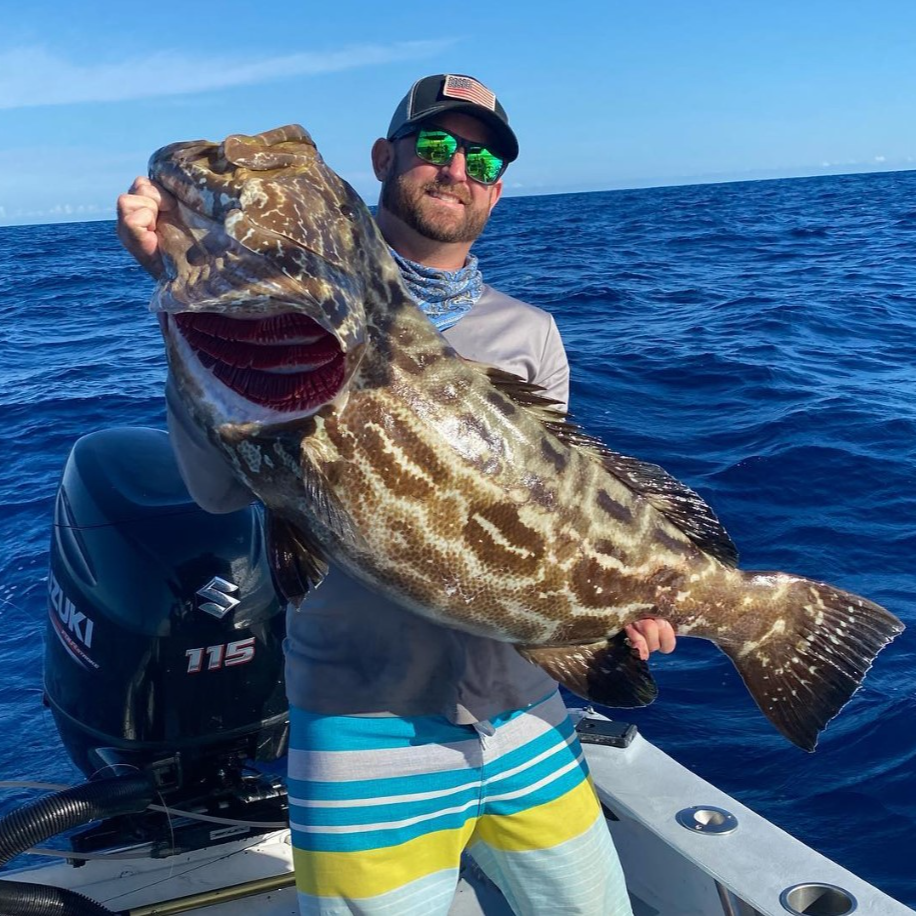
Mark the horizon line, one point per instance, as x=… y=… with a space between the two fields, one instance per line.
x=648 y=184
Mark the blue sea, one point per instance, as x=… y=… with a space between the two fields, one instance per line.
x=756 y=339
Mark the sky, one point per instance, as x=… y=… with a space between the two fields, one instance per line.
x=602 y=95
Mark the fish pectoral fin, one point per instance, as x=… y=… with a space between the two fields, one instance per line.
x=284 y=442
x=606 y=672
x=296 y=565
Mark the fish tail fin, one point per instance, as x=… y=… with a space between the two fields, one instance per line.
x=606 y=672
x=812 y=647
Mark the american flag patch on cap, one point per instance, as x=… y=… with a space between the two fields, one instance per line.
x=463 y=87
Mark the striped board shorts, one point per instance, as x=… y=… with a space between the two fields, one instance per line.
x=381 y=809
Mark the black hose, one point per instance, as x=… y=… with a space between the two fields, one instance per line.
x=46 y=817
x=18 y=898
x=52 y=814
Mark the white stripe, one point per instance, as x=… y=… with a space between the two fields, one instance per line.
x=384 y=825
x=382 y=799
x=347 y=766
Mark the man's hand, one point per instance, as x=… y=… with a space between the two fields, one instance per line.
x=138 y=211
x=651 y=635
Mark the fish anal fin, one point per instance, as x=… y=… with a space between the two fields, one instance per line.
x=810 y=657
x=606 y=672
x=296 y=565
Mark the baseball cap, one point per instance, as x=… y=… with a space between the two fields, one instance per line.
x=433 y=95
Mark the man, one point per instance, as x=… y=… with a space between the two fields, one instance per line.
x=411 y=742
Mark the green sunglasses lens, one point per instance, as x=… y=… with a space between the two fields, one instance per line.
x=438 y=147
x=483 y=166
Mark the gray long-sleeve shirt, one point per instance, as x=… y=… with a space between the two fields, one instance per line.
x=350 y=651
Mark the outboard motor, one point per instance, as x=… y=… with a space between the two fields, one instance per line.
x=164 y=645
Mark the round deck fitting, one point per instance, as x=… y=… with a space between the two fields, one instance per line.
x=817 y=900
x=707 y=819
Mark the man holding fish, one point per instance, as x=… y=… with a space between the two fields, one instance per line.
x=412 y=742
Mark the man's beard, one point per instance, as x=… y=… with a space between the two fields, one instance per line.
x=405 y=202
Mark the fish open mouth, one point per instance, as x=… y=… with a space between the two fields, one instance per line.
x=286 y=362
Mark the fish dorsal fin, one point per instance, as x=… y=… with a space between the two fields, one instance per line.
x=684 y=508
x=524 y=394
x=676 y=501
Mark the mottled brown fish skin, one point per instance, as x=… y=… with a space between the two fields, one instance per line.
x=457 y=491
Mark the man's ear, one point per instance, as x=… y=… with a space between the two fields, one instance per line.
x=382 y=158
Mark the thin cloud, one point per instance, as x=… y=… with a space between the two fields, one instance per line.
x=34 y=76
x=58 y=213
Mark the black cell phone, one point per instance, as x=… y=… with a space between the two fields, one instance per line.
x=606 y=731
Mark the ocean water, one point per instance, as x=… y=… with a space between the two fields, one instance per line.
x=757 y=339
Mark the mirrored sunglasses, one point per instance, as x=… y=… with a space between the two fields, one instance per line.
x=438 y=147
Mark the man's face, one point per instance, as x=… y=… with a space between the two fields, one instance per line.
x=440 y=202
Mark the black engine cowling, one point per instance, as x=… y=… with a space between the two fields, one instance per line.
x=164 y=647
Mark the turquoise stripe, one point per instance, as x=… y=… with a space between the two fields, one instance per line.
x=309 y=731
x=315 y=732
x=504 y=717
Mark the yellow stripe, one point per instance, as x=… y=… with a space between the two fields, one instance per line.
x=543 y=826
x=378 y=871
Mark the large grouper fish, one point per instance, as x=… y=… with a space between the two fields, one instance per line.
x=454 y=488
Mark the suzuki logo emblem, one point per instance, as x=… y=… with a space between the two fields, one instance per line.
x=218 y=597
